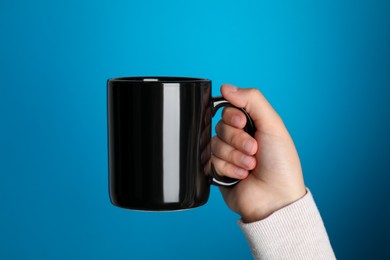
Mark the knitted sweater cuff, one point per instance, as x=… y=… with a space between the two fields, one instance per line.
x=293 y=232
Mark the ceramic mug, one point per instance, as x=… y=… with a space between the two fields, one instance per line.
x=159 y=135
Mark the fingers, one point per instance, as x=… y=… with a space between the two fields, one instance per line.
x=233 y=148
x=252 y=100
x=233 y=117
x=233 y=151
x=225 y=168
x=229 y=154
x=236 y=138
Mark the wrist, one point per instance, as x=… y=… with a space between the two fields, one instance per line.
x=265 y=210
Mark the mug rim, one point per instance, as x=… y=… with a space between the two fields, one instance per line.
x=160 y=79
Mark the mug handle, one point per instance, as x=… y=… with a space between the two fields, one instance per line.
x=217 y=103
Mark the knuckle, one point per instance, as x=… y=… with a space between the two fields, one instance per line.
x=231 y=157
x=221 y=166
x=218 y=128
x=227 y=113
x=214 y=142
x=224 y=111
x=224 y=168
x=254 y=92
x=238 y=139
x=217 y=146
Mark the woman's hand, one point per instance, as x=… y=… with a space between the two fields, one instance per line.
x=275 y=179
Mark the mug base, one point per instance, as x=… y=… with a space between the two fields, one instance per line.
x=161 y=207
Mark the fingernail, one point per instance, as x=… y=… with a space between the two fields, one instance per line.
x=240 y=172
x=247 y=161
x=230 y=88
x=248 y=146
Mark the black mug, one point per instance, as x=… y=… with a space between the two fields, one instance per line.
x=159 y=134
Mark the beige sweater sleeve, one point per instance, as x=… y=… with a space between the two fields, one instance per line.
x=293 y=232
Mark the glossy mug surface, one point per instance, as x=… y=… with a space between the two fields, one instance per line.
x=159 y=134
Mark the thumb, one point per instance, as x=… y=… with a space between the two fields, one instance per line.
x=266 y=119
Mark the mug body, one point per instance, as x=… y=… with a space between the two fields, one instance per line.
x=159 y=133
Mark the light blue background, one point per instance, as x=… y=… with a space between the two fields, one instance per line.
x=324 y=65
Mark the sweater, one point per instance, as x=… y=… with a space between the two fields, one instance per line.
x=293 y=232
